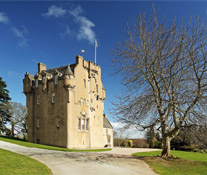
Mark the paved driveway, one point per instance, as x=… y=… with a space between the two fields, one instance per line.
x=127 y=151
x=67 y=163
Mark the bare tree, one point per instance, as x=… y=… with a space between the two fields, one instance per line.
x=18 y=118
x=163 y=66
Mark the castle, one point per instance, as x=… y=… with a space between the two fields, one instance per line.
x=65 y=106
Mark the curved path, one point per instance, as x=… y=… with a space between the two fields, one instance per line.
x=65 y=163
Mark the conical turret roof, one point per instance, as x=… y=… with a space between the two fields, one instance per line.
x=68 y=71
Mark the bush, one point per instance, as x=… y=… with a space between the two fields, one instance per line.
x=123 y=143
x=140 y=143
x=189 y=148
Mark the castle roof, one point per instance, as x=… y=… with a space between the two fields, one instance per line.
x=62 y=69
x=68 y=71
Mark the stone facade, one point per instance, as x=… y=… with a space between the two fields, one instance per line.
x=65 y=106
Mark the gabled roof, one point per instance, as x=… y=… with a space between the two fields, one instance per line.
x=31 y=77
x=106 y=123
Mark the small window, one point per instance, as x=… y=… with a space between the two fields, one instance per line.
x=79 y=123
x=83 y=123
x=84 y=83
x=43 y=79
x=58 y=122
x=53 y=97
x=84 y=102
x=38 y=123
x=56 y=79
x=91 y=100
x=97 y=88
x=106 y=131
x=38 y=99
x=81 y=101
x=36 y=83
x=87 y=124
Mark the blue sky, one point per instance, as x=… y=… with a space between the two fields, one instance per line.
x=55 y=32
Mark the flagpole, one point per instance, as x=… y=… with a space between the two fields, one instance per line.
x=95 y=53
x=96 y=45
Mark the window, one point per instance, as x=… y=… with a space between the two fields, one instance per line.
x=84 y=102
x=38 y=99
x=81 y=101
x=58 y=122
x=79 y=123
x=38 y=123
x=97 y=88
x=36 y=82
x=83 y=123
x=84 y=83
x=53 y=97
x=87 y=124
x=43 y=79
x=56 y=79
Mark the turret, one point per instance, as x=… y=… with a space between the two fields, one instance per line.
x=68 y=75
x=27 y=83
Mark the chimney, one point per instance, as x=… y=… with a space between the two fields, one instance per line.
x=41 y=67
x=79 y=59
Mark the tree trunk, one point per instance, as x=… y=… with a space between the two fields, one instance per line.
x=12 y=129
x=166 y=148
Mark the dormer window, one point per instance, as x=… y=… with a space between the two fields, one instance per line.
x=56 y=79
x=36 y=82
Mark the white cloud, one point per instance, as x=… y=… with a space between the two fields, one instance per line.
x=17 y=32
x=68 y=32
x=85 y=31
x=12 y=74
x=54 y=11
x=76 y=11
x=3 y=18
x=20 y=34
x=131 y=133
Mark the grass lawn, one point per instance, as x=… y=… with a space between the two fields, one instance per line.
x=13 y=163
x=34 y=145
x=190 y=163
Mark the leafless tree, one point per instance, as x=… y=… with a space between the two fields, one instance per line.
x=163 y=66
x=18 y=118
